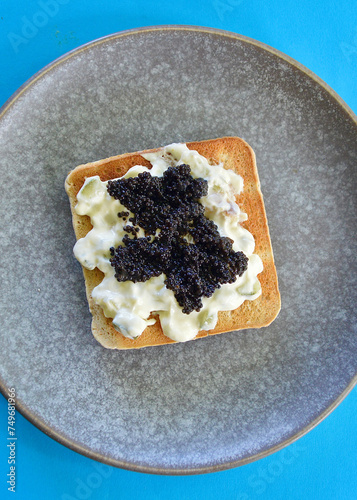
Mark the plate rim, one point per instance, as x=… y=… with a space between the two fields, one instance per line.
x=173 y=27
x=70 y=443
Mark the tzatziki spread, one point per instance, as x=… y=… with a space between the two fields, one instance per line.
x=134 y=306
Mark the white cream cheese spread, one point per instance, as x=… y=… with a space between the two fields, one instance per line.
x=130 y=304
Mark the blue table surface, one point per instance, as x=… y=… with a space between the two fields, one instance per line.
x=322 y=35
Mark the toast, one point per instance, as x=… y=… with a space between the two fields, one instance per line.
x=235 y=154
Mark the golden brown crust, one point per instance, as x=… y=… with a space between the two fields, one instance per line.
x=235 y=154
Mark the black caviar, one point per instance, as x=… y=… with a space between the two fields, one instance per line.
x=179 y=240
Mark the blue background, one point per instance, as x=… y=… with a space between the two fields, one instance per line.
x=322 y=35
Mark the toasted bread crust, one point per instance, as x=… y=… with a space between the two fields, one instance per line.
x=235 y=154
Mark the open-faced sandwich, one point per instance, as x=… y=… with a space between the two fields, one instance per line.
x=174 y=243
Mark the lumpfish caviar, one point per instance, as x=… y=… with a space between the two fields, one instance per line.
x=179 y=240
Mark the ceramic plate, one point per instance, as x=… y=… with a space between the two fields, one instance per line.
x=213 y=403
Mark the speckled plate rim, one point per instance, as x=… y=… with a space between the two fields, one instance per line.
x=39 y=423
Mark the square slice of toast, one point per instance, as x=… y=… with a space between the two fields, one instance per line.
x=235 y=154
